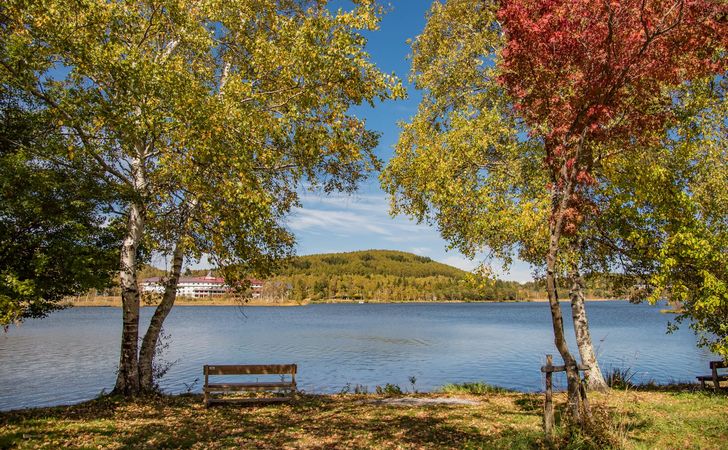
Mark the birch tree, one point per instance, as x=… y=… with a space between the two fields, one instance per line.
x=207 y=115
x=523 y=102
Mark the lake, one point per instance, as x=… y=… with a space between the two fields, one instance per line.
x=72 y=355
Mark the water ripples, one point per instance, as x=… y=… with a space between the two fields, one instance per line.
x=72 y=355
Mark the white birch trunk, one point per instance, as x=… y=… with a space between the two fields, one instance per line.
x=595 y=379
x=149 y=344
x=127 y=381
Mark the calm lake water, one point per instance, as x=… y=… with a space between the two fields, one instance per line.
x=72 y=355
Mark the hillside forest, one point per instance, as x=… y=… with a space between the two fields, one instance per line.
x=389 y=276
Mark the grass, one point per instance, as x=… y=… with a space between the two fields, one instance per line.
x=476 y=388
x=643 y=419
x=620 y=378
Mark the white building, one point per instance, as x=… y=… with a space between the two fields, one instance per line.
x=193 y=287
x=198 y=287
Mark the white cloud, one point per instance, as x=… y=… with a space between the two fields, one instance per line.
x=355 y=202
x=345 y=223
x=460 y=262
x=340 y=222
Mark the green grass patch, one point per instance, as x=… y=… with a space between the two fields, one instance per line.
x=475 y=388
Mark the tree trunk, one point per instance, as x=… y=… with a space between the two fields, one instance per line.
x=595 y=379
x=149 y=344
x=559 y=202
x=127 y=381
x=572 y=374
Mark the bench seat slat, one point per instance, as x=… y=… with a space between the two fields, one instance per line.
x=248 y=386
x=275 y=369
x=221 y=401
x=710 y=377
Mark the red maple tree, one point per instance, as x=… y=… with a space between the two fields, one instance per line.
x=584 y=72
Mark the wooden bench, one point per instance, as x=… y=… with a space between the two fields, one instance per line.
x=715 y=377
x=288 y=387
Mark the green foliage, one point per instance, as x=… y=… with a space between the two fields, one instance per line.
x=389 y=389
x=206 y=115
x=650 y=206
x=463 y=162
x=374 y=275
x=620 y=378
x=54 y=239
x=370 y=262
x=383 y=275
x=667 y=215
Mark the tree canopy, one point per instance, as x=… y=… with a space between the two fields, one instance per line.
x=525 y=104
x=207 y=116
x=54 y=238
x=664 y=222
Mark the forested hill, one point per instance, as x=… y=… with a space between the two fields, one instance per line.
x=380 y=275
x=371 y=262
x=387 y=275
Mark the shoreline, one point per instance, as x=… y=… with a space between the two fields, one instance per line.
x=115 y=302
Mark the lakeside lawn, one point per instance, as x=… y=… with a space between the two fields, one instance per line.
x=637 y=419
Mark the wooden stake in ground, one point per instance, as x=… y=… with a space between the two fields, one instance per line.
x=548 y=406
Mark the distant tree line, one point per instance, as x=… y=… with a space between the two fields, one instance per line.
x=385 y=275
x=394 y=276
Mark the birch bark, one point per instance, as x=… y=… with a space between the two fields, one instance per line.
x=146 y=354
x=559 y=202
x=595 y=379
x=127 y=381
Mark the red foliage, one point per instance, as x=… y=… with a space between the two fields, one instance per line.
x=596 y=67
x=596 y=71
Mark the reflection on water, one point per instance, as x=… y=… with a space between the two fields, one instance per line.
x=72 y=355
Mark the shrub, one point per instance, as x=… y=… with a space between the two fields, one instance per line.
x=389 y=389
x=600 y=431
x=620 y=378
x=472 y=388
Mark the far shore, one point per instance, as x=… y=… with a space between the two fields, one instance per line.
x=115 y=302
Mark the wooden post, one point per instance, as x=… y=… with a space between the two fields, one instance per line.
x=205 y=394
x=293 y=379
x=584 y=399
x=548 y=406
x=714 y=372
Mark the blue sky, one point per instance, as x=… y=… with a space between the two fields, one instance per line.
x=342 y=223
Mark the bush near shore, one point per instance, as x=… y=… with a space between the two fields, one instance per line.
x=676 y=418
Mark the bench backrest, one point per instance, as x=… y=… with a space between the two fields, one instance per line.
x=715 y=365
x=280 y=369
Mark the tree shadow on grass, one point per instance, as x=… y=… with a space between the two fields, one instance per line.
x=100 y=408
x=351 y=424
x=531 y=404
x=309 y=422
